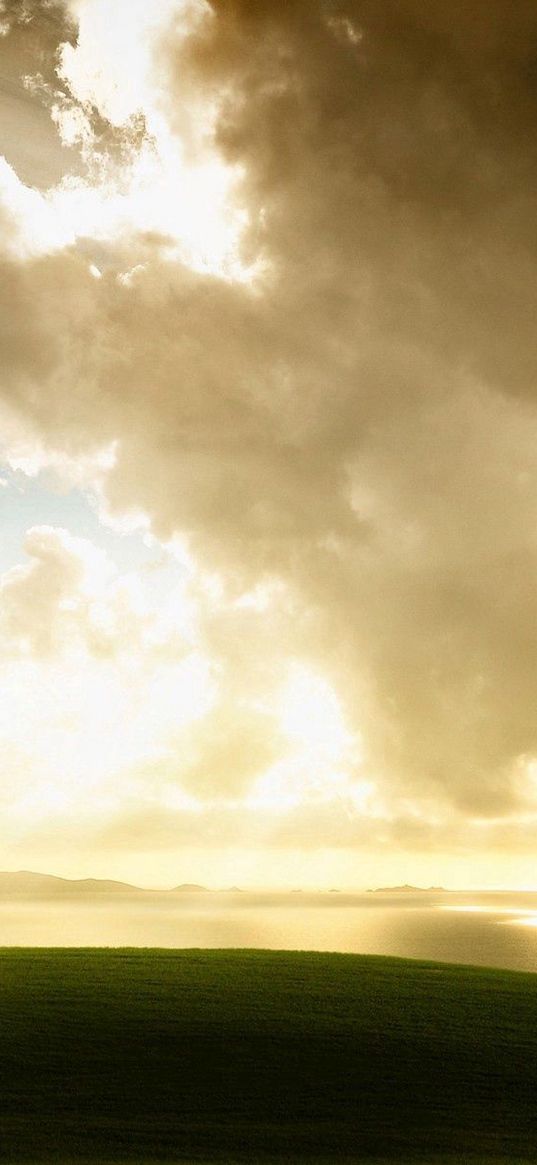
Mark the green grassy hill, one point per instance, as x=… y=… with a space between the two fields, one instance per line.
x=144 y=1055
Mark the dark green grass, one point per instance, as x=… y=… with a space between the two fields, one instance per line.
x=254 y=1056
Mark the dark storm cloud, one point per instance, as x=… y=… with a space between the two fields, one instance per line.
x=389 y=151
x=362 y=421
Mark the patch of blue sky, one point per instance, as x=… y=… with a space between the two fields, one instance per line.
x=37 y=501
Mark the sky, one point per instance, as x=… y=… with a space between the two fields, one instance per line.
x=268 y=441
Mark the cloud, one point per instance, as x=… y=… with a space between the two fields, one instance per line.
x=32 y=32
x=35 y=600
x=116 y=693
x=99 y=675
x=357 y=418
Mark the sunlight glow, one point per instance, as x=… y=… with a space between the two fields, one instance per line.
x=164 y=180
x=311 y=716
x=321 y=753
x=529 y=921
x=101 y=675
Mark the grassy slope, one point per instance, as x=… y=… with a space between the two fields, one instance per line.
x=137 y=1055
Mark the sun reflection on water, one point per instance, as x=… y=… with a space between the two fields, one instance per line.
x=519 y=916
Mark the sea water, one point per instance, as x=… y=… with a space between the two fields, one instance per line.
x=488 y=929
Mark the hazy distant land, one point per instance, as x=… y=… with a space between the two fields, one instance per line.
x=26 y=883
x=406 y=889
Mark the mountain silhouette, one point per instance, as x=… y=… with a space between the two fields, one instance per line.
x=27 y=884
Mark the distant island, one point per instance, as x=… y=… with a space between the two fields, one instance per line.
x=406 y=889
x=31 y=885
x=27 y=884
x=189 y=888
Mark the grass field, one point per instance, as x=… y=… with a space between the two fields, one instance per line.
x=254 y=1056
